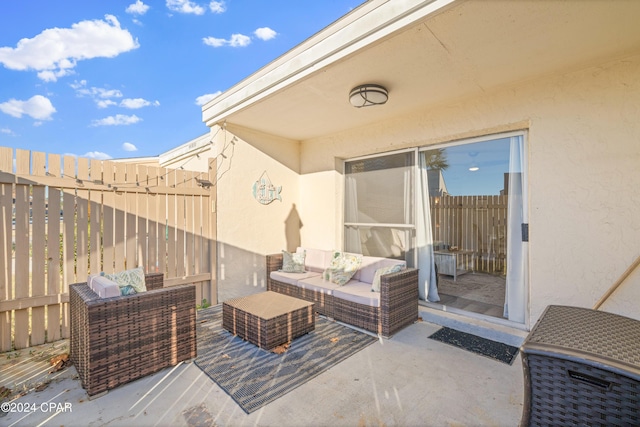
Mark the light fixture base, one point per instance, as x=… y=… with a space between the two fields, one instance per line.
x=367 y=95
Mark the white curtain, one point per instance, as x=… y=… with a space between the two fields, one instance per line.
x=424 y=237
x=352 y=234
x=408 y=209
x=517 y=251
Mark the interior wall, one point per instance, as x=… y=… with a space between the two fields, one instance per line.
x=584 y=163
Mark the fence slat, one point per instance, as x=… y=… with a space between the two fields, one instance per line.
x=131 y=220
x=119 y=225
x=171 y=227
x=95 y=216
x=82 y=222
x=22 y=270
x=68 y=237
x=6 y=248
x=38 y=248
x=142 y=216
x=108 y=215
x=162 y=215
x=189 y=223
x=54 y=311
x=152 y=209
x=180 y=225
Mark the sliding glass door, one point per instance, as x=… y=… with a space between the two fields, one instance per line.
x=477 y=204
x=460 y=208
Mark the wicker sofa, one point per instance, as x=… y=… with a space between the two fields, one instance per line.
x=119 y=339
x=384 y=313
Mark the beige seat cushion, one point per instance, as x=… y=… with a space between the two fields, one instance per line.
x=318 y=284
x=292 y=278
x=358 y=292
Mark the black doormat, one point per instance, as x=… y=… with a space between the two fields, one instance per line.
x=254 y=377
x=493 y=349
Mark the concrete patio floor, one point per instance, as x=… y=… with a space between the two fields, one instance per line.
x=408 y=380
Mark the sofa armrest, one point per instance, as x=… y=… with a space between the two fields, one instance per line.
x=398 y=300
x=154 y=281
x=274 y=263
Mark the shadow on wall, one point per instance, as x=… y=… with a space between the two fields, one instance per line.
x=292 y=226
x=240 y=272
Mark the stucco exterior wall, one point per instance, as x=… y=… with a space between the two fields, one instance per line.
x=584 y=175
x=318 y=203
x=248 y=230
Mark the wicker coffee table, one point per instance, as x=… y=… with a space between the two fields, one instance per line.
x=268 y=319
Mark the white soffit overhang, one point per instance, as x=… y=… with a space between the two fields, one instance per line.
x=427 y=54
x=365 y=25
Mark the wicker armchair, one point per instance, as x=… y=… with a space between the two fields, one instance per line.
x=120 y=339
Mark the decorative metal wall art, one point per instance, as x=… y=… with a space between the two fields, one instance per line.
x=264 y=191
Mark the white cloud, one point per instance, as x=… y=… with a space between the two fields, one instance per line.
x=55 y=51
x=7 y=131
x=239 y=40
x=134 y=103
x=52 y=76
x=185 y=6
x=99 y=93
x=137 y=8
x=127 y=146
x=217 y=7
x=117 y=120
x=78 y=84
x=99 y=155
x=265 y=33
x=203 y=99
x=236 y=40
x=38 y=107
x=105 y=103
x=212 y=41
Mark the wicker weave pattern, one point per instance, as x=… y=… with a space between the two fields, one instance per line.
x=324 y=303
x=579 y=369
x=268 y=319
x=117 y=340
x=398 y=301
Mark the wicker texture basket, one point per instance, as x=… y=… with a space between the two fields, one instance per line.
x=582 y=367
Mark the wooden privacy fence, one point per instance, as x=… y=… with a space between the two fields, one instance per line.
x=477 y=224
x=62 y=218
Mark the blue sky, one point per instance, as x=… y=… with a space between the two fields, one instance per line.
x=114 y=79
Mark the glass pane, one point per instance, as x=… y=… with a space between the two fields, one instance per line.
x=468 y=188
x=478 y=169
x=380 y=190
x=387 y=242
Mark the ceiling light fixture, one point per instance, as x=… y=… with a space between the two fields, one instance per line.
x=367 y=95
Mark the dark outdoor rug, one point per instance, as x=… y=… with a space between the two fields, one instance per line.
x=493 y=349
x=254 y=377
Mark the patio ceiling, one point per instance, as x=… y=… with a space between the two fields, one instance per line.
x=426 y=54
